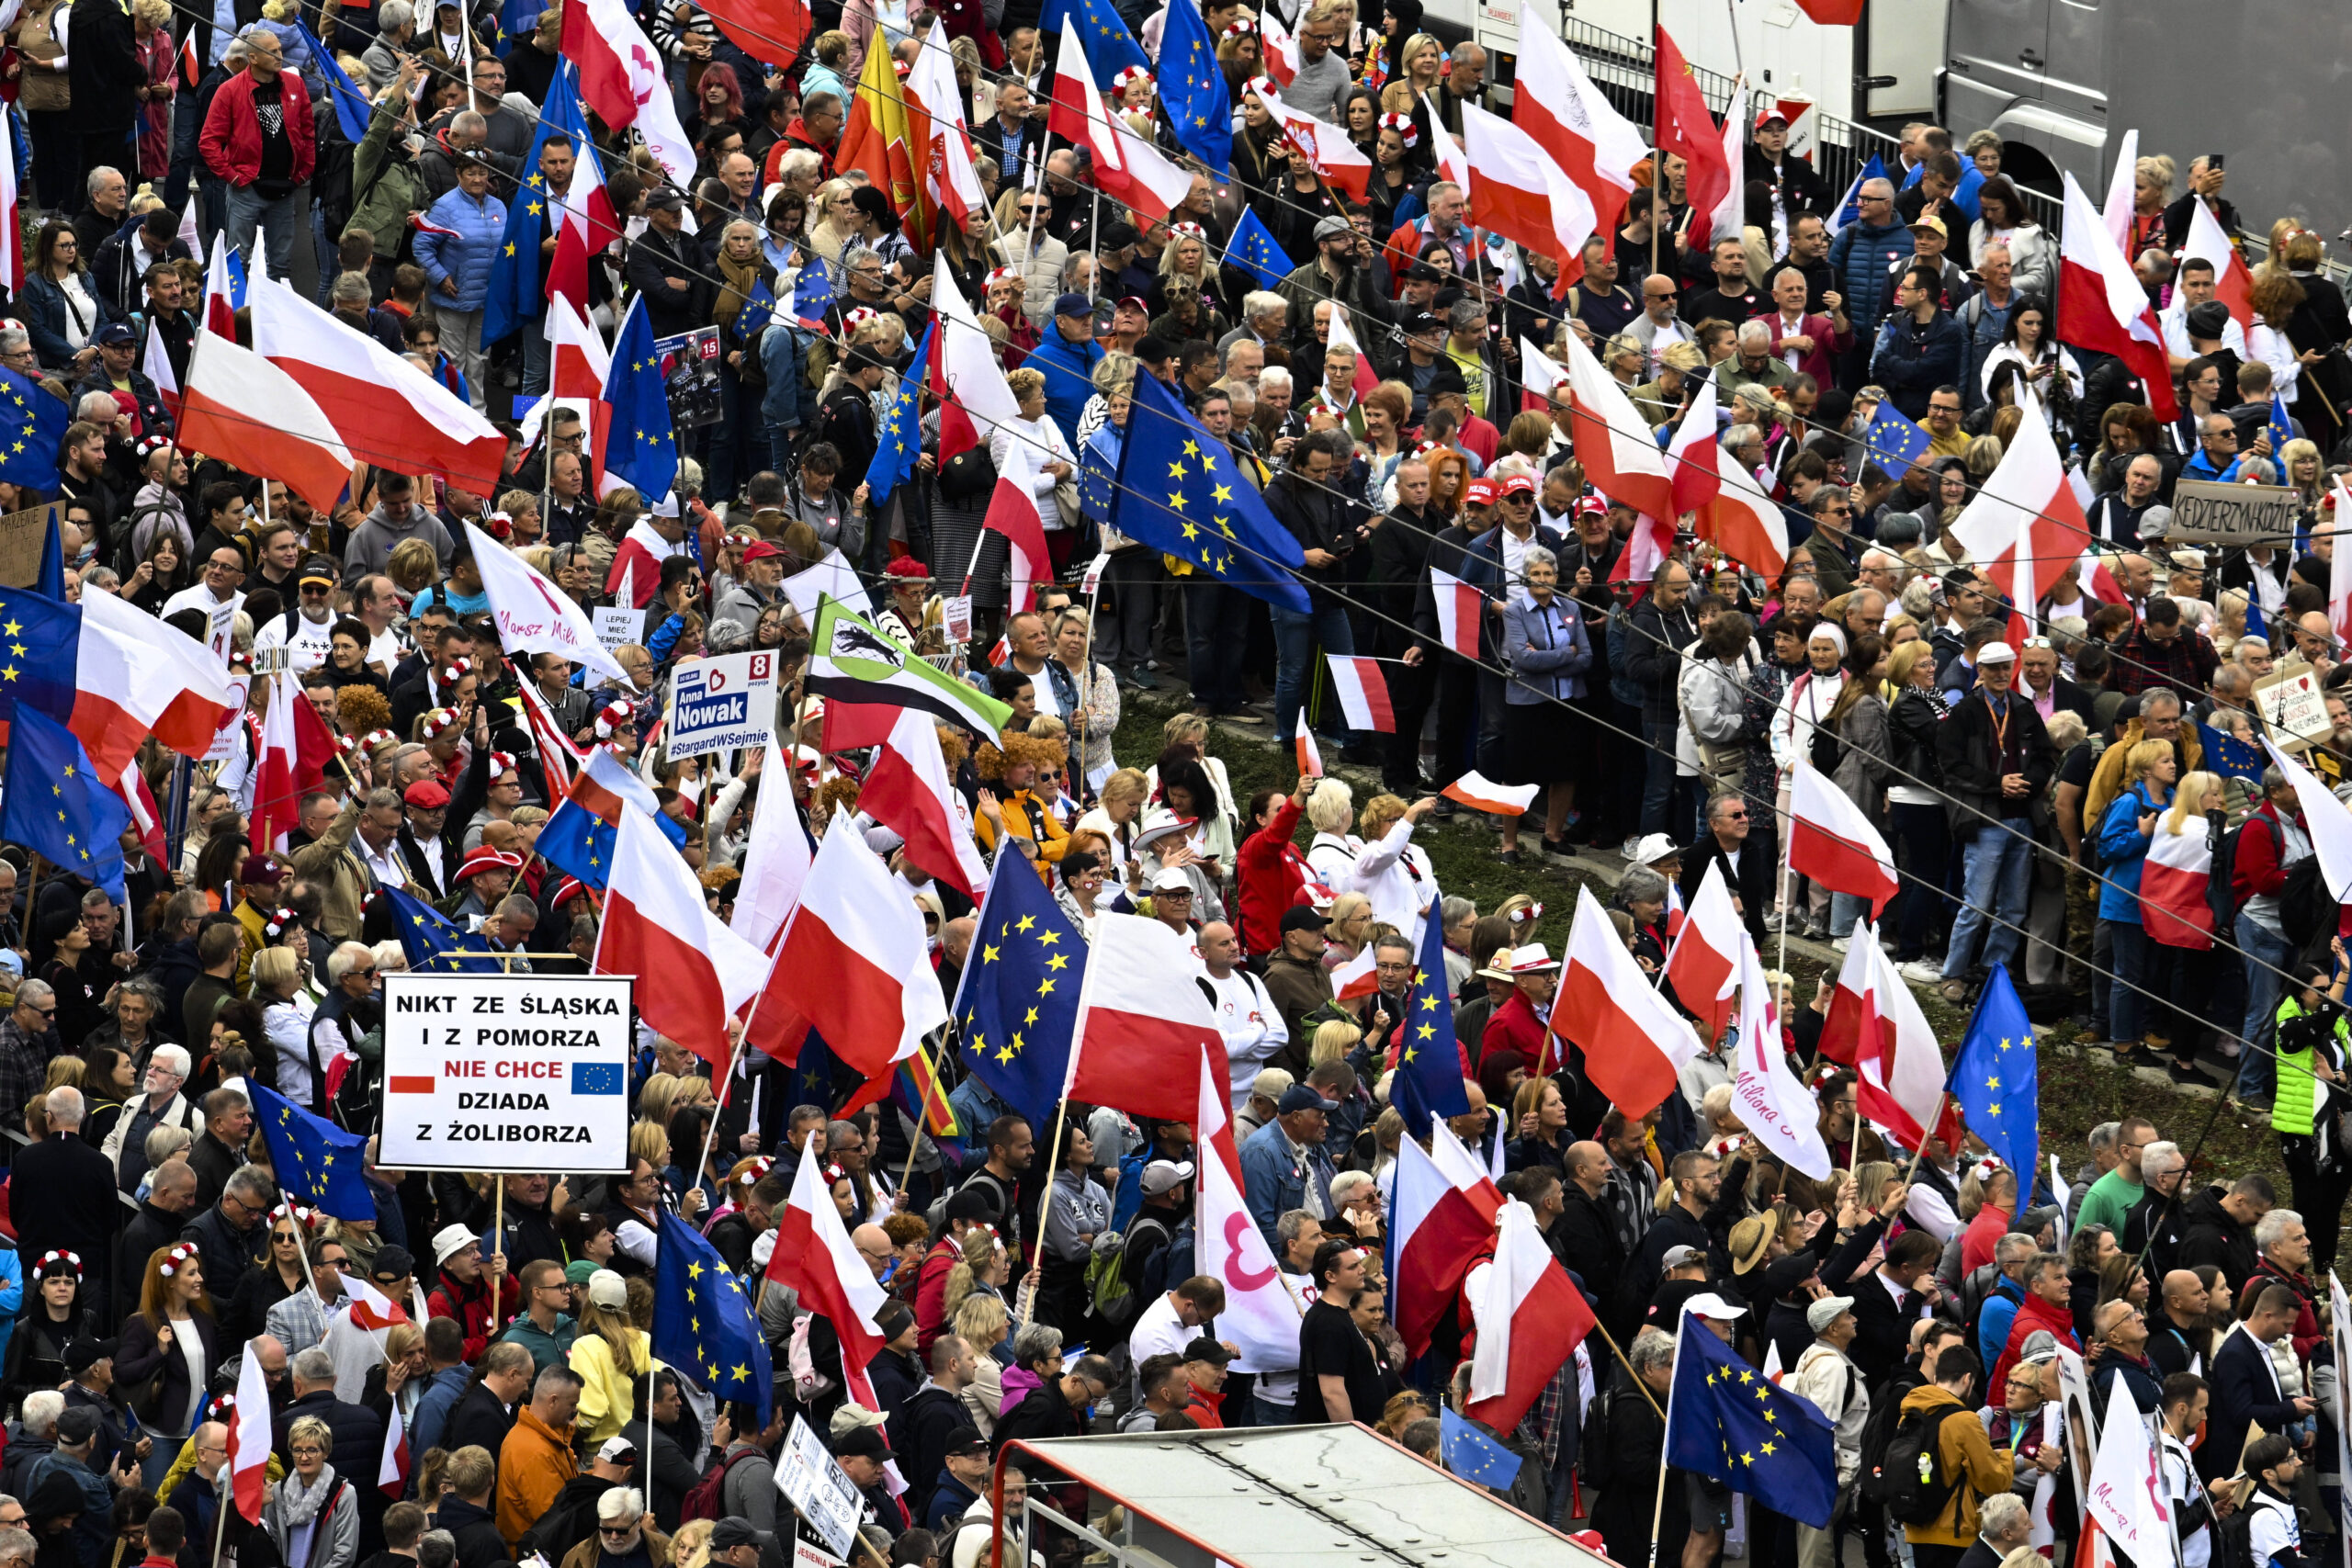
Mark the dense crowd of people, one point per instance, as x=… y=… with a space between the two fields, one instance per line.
x=1367 y=383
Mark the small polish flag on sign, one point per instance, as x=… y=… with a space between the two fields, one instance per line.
x=1502 y=800
x=1459 y=607
x=1357 y=977
x=403 y=1083
x=1310 y=757
x=1363 y=694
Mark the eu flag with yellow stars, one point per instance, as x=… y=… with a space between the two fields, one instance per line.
x=1429 y=1061
x=32 y=428
x=1018 y=1003
x=55 y=803
x=517 y=288
x=899 y=441
x=40 y=651
x=1731 y=1425
x=1179 y=492
x=703 y=1323
x=433 y=942
x=315 y=1161
x=644 y=449
x=1193 y=90
x=1101 y=32
x=1996 y=1080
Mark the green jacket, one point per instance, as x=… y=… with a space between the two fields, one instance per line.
x=385 y=186
x=2290 y=1115
x=546 y=1349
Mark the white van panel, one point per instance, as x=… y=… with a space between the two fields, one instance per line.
x=1906 y=42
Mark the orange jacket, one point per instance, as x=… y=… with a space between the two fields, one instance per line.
x=533 y=1464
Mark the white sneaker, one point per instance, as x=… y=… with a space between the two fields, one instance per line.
x=1921 y=971
x=1842 y=943
x=1772 y=920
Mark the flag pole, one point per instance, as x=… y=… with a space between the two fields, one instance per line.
x=1045 y=1206
x=224 y=1498
x=1921 y=1153
x=710 y=1136
x=1665 y=1438
x=1611 y=1340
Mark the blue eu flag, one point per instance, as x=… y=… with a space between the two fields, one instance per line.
x=1098 y=474
x=518 y=292
x=812 y=295
x=1895 y=443
x=351 y=109
x=41 y=643
x=516 y=21
x=1018 y=1003
x=50 y=579
x=1731 y=1425
x=899 y=441
x=648 y=448
x=703 y=1321
x=1179 y=492
x=32 y=428
x=317 y=1162
x=433 y=943
x=1851 y=210
x=2230 y=758
x=757 y=311
x=1995 y=1079
x=1191 y=88
x=1101 y=32
x=55 y=803
x=2282 y=430
x=1468 y=1452
x=1428 y=1062
x=1253 y=250
x=578 y=843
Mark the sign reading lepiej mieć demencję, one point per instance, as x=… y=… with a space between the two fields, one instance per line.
x=517 y=1073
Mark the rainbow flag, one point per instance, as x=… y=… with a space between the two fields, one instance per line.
x=915 y=1088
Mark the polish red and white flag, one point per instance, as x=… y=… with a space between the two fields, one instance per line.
x=1621 y=458
x=1530 y=1318
x=815 y=1257
x=2233 y=280
x=1831 y=840
x=1564 y=109
x=1728 y=507
x=1143 y=1025
x=1473 y=789
x=1461 y=612
x=2173 y=882
x=2102 y=307
x=1520 y=191
x=695 y=972
x=1876 y=1027
x=1326 y=146
x=1769 y=1100
x=907 y=790
x=1634 y=1041
x=1363 y=693
x=1703 y=965
x=1127 y=169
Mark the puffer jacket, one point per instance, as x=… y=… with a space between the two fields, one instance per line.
x=386 y=185
x=476 y=229
x=1860 y=254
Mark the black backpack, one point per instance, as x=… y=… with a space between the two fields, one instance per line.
x=2233 y=1540
x=1592 y=1442
x=1907 y=1478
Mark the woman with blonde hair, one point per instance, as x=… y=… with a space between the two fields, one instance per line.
x=2127 y=832
x=984 y=1326
x=610 y=1353
x=312 y=1515
x=1334 y=1038
x=1117 y=813
x=1048 y=455
x=832 y=221
x=2151 y=193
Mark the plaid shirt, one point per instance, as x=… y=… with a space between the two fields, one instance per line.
x=23 y=1059
x=2186 y=663
x=301 y=1320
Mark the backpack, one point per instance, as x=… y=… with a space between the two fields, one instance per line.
x=707 y=1499
x=1592 y=1441
x=1912 y=1483
x=2232 y=1540
x=1110 y=1294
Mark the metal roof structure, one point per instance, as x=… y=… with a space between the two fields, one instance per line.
x=1332 y=1497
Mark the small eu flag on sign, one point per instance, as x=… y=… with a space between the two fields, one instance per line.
x=595 y=1077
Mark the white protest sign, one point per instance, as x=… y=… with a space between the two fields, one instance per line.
x=228 y=740
x=723 y=703
x=506 y=1072
x=956 y=619
x=816 y=1486
x=617 y=627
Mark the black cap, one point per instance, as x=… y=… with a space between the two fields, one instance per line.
x=862 y=1442
x=662 y=199
x=81 y=1355
x=77 y=1423
x=391 y=1262
x=1421 y=272
x=1419 y=324
x=733 y=1531
x=2209 y=320
x=1303 y=917
x=1117 y=235
x=972 y=1202
x=965 y=1440
x=1204 y=1348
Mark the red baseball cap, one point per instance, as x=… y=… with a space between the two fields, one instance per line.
x=1480 y=492
x=1519 y=484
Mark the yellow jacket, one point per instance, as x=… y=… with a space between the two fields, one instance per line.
x=606 y=1400
x=1978 y=1469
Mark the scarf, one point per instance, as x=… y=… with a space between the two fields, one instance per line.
x=301 y=1507
x=743 y=278
x=652 y=543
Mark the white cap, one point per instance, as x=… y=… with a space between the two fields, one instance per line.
x=1655 y=848
x=450 y=1240
x=1996 y=653
x=1707 y=1304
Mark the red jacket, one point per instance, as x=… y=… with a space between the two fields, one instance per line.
x=931 y=1294
x=2256 y=869
x=1514 y=1026
x=472 y=1307
x=1817 y=361
x=232 y=140
x=2034 y=1315
x=1271 y=872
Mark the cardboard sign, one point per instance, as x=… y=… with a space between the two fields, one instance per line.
x=722 y=703
x=815 y=1485
x=506 y=1072
x=2205 y=512
x=2291 y=703
x=22 y=534
x=956 y=619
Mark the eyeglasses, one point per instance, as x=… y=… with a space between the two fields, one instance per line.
x=616 y=1532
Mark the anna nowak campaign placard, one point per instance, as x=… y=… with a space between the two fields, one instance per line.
x=722 y=703
x=506 y=1072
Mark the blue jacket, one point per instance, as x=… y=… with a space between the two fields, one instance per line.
x=1911 y=365
x=2123 y=848
x=784 y=357
x=93 y=1533
x=1963 y=196
x=1993 y=1319
x=1069 y=369
x=1860 y=254
x=1273 y=1182
x=44 y=309
x=1547 y=658
x=441 y=1395
x=480 y=229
